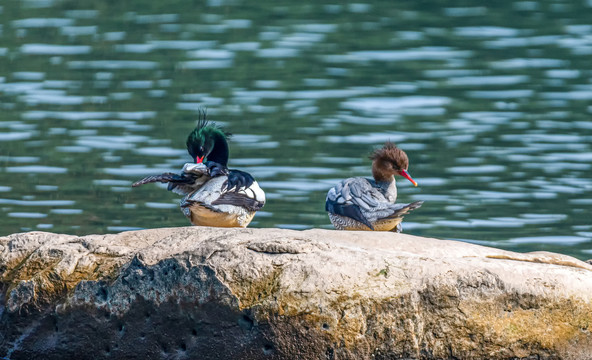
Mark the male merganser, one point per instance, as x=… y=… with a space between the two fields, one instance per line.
x=213 y=194
x=365 y=204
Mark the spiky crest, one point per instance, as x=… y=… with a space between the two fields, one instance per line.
x=388 y=161
x=390 y=152
x=208 y=141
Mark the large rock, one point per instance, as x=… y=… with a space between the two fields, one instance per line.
x=211 y=293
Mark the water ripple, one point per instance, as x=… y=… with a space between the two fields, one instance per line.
x=37 y=202
x=41 y=22
x=13 y=136
x=495 y=119
x=425 y=53
x=112 y=64
x=390 y=105
x=51 y=49
x=37 y=169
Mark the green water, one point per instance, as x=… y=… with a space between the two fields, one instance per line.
x=491 y=103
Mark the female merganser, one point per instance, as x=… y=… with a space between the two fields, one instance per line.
x=213 y=194
x=365 y=204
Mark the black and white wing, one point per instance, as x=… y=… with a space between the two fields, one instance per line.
x=192 y=177
x=238 y=188
x=241 y=189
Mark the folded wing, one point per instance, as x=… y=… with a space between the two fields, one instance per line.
x=358 y=199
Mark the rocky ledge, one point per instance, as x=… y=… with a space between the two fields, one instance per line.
x=212 y=293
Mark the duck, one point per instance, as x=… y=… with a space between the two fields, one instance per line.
x=213 y=194
x=365 y=204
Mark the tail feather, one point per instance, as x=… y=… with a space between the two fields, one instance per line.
x=405 y=209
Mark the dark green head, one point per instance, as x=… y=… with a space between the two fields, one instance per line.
x=208 y=142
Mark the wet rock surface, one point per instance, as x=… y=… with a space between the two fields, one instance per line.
x=212 y=293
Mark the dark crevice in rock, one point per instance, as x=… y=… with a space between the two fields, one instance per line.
x=203 y=331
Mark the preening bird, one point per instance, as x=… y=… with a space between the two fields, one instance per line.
x=214 y=195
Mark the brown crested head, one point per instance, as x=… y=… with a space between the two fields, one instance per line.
x=388 y=161
x=391 y=156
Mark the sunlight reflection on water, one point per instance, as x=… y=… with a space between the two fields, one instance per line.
x=495 y=119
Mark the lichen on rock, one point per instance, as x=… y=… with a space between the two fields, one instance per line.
x=214 y=293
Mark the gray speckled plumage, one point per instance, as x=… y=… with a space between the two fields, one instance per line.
x=375 y=201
